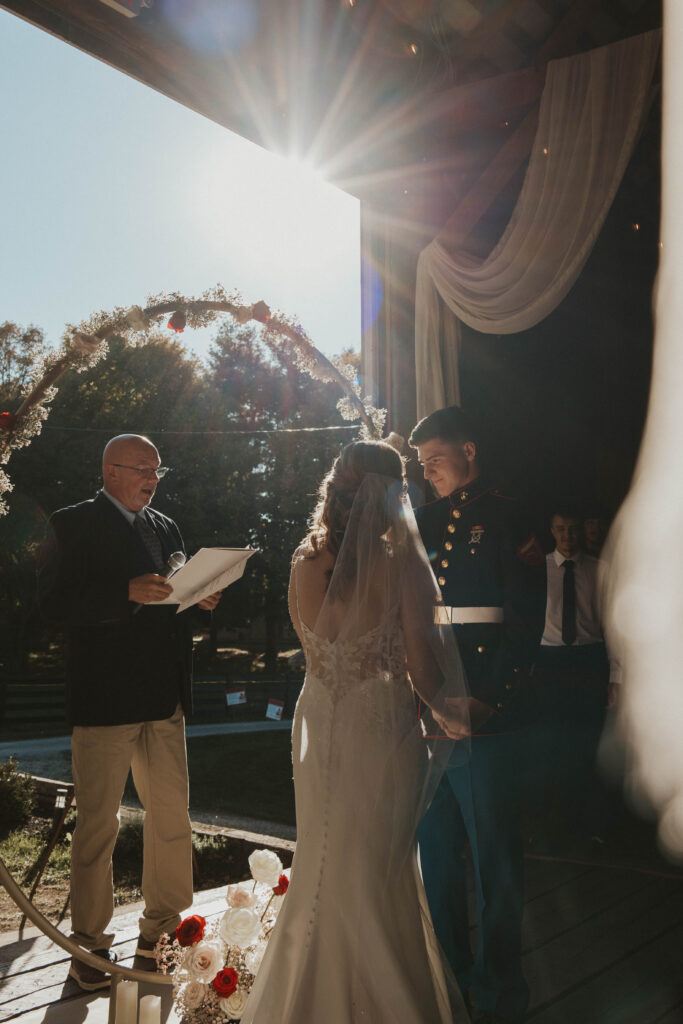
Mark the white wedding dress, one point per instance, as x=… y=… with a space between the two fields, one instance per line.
x=354 y=943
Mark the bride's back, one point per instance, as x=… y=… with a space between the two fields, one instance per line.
x=361 y=607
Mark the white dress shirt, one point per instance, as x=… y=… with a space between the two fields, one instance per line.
x=588 y=629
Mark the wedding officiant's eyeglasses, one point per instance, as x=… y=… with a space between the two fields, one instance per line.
x=159 y=472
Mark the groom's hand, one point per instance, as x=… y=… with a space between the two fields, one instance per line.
x=208 y=604
x=150 y=587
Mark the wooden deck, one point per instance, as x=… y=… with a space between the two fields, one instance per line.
x=603 y=945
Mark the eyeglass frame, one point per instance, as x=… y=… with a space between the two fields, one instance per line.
x=160 y=472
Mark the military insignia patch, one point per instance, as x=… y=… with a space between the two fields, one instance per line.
x=476 y=533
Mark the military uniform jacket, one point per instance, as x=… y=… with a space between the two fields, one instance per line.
x=481 y=559
x=121 y=667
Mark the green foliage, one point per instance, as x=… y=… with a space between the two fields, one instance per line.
x=16 y=798
x=19 y=348
x=238 y=478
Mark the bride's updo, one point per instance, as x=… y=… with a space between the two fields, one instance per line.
x=339 y=488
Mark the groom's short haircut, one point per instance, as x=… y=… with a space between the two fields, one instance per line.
x=449 y=424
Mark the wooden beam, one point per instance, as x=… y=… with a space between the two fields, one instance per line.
x=491 y=182
x=485 y=103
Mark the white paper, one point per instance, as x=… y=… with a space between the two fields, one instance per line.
x=210 y=570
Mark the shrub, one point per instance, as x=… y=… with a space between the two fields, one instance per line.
x=17 y=794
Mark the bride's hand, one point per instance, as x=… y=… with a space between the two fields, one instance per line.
x=454 y=718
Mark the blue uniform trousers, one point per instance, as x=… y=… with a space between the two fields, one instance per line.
x=478 y=802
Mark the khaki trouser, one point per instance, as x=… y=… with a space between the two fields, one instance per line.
x=101 y=757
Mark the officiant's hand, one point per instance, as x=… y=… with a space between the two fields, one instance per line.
x=150 y=587
x=208 y=604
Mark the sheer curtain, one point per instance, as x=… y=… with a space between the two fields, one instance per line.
x=592 y=109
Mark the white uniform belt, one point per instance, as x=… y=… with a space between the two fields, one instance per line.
x=444 y=615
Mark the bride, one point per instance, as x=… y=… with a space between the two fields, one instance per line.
x=354 y=941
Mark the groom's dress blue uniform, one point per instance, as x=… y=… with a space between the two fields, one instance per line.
x=478 y=557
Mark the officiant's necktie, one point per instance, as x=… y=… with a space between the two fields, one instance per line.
x=568 y=603
x=151 y=541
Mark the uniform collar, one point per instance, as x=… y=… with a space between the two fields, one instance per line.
x=464 y=495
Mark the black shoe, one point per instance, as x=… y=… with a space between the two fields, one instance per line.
x=145 y=948
x=90 y=978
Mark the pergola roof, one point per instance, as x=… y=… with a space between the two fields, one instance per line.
x=372 y=90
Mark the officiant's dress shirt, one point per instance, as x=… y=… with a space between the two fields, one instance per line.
x=125 y=512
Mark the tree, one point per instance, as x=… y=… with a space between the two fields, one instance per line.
x=237 y=476
x=19 y=349
x=277 y=474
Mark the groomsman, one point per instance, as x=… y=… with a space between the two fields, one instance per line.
x=573 y=682
x=473 y=543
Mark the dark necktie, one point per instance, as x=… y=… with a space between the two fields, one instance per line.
x=149 y=538
x=568 y=603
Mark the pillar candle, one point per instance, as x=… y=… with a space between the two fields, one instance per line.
x=127 y=1002
x=150 y=1010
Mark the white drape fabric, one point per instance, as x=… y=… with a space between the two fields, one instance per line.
x=592 y=109
x=644 y=588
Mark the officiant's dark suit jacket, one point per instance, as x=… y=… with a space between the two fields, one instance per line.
x=121 y=667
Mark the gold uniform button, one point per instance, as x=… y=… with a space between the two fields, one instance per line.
x=473 y=551
x=499 y=706
x=451 y=528
x=448 y=546
x=463 y=496
x=444 y=563
x=508 y=686
x=442 y=581
x=456 y=513
x=481 y=649
x=515 y=669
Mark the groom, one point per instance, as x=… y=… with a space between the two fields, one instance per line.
x=469 y=535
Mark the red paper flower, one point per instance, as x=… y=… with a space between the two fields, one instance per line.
x=190 y=930
x=282 y=885
x=225 y=982
x=260 y=312
x=7 y=420
x=177 y=322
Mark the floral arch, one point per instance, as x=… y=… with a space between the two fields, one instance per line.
x=85 y=344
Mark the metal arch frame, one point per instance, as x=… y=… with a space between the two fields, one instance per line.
x=117 y=971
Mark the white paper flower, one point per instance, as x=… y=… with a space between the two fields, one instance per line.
x=137 y=318
x=235 y=1004
x=240 y=927
x=253 y=959
x=240 y=896
x=265 y=866
x=193 y=994
x=204 y=961
x=86 y=344
x=242 y=314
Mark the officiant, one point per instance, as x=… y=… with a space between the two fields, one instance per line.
x=129 y=680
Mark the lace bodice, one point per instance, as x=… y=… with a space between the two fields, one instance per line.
x=378 y=655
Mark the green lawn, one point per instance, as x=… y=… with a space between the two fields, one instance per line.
x=244 y=774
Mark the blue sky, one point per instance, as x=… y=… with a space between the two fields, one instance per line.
x=111 y=192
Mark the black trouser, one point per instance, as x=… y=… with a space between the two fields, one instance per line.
x=569 y=697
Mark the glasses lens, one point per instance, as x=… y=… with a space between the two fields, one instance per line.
x=161 y=472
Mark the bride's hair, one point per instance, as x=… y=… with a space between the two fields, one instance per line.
x=339 y=488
